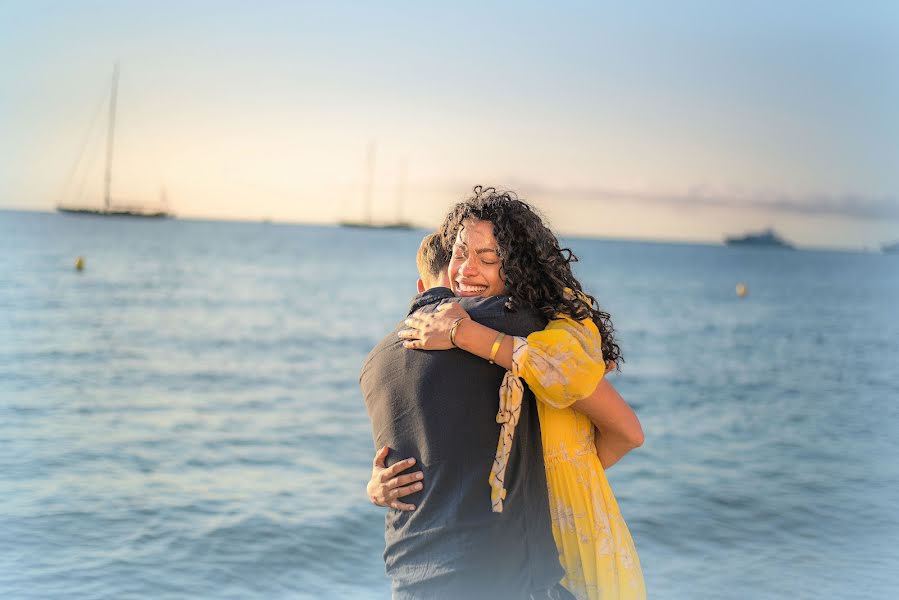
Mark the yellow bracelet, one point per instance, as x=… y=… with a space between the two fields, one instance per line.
x=455 y=324
x=496 y=343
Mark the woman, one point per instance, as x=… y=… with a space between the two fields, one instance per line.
x=501 y=246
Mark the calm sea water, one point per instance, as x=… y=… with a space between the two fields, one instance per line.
x=182 y=419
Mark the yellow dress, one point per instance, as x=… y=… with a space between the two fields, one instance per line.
x=563 y=364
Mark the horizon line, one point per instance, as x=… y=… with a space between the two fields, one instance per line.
x=418 y=226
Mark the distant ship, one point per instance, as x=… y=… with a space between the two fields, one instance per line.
x=375 y=225
x=367 y=222
x=890 y=248
x=109 y=209
x=765 y=238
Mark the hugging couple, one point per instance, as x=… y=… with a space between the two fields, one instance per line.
x=493 y=389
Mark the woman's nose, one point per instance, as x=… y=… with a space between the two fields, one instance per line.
x=469 y=268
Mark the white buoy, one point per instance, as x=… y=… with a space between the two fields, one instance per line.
x=742 y=290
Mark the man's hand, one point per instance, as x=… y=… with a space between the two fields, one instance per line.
x=386 y=485
x=431 y=331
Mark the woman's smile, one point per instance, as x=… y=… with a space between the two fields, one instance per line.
x=467 y=289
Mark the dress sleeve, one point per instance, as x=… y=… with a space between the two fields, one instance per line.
x=562 y=363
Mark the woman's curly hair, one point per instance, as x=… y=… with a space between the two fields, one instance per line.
x=535 y=269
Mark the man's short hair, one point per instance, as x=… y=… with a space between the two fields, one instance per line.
x=432 y=257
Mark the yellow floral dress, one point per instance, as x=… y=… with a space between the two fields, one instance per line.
x=562 y=364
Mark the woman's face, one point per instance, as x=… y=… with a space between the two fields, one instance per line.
x=475 y=268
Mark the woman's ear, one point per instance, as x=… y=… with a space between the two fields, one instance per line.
x=421 y=286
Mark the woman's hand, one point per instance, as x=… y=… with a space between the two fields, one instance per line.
x=385 y=486
x=431 y=331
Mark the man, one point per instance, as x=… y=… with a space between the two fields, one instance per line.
x=440 y=408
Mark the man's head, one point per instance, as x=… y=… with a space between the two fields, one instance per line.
x=432 y=260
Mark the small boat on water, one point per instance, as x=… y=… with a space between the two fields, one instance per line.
x=375 y=225
x=111 y=208
x=890 y=248
x=367 y=222
x=766 y=238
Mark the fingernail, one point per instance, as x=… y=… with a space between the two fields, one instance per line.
x=411 y=461
x=417 y=486
x=419 y=475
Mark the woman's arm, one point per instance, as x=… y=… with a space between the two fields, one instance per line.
x=618 y=430
x=431 y=331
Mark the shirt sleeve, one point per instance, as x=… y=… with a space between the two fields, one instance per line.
x=562 y=363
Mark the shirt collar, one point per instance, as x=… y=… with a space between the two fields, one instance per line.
x=430 y=296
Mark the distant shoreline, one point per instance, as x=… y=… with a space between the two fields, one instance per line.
x=418 y=227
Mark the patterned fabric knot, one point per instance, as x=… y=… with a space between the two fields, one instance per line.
x=511 y=393
x=510 y=402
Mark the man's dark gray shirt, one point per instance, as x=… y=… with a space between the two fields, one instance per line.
x=440 y=407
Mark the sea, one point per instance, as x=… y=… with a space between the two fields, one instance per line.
x=182 y=417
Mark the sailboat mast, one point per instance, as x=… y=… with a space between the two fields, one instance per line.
x=110 y=136
x=400 y=192
x=369 y=184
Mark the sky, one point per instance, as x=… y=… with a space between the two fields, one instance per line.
x=651 y=120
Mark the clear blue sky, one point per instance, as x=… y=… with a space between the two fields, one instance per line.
x=663 y=120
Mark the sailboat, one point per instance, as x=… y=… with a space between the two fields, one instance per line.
x=367 y=222
x=109 y=208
